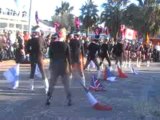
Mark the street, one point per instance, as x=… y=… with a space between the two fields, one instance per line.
x=134 y=98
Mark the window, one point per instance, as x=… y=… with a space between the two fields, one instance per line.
x=25 y=27
x=3 y=25
x=18 y=26
x=11 y=25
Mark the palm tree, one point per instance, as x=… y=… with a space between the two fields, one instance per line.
x=133 y=17
x=64 y=8
x=63 y=15
x=151 y=10
x=89 y=16
x=112 y=16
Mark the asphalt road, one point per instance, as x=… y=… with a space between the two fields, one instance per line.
x=134 y=98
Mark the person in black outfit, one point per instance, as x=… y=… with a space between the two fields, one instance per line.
x=19 y=52
x=60 y=65
x=35 y=49
x=118 y=52
x=19 y=55
x=77 y=53
x=93 y=51
x=104 y=53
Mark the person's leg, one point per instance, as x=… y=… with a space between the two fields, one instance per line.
x=96 y=63
x=16 y=82
x=130 y=58
x=52 y=83
x=32 y=72
x=41 y=68
x=98 y=68
x=101 y=60
x=120 y=61
x=87 y=63
x=65 y=81
x=108 y=60
x=148 y=59
x=116 y=61
x=81 y=73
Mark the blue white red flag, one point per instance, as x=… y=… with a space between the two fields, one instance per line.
x=12 y=74
x=95 y=84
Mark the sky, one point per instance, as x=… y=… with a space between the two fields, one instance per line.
x=46 y=8
x=51 y=5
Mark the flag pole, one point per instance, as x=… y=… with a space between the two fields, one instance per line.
x=29 y=20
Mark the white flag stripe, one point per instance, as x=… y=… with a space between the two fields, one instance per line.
x=112 y=79
x=12 y=74
x=92 y=99
x=37 y=72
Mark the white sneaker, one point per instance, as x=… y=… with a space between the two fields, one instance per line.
x=46 y=90
x=32 y=87
x=83 y=81
x=129 y=65
x=148 y=63
x=71 y=77
x=32 y=84
x=46 y=83
x=16 y=85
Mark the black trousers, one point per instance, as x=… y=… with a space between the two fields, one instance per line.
x=118 y=59
x=56 y=70
x=89 y=60
x=105 y=57
x=39 y=62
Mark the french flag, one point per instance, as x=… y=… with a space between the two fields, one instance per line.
x=121 y=74
x=12 y=75
x=110 y=76
x=95 y=84
x=94 y=102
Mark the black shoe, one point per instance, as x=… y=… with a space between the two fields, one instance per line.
x=48 y=102
x=69 y=103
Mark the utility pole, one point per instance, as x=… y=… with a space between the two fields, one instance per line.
x=29 y=18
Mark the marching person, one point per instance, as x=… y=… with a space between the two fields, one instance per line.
x=93 y=51
x=118 y=53
x=104 y=53
x=35 y=49
x=77 y=53
x=19 y=55
x=60 y=65
x=149 y=51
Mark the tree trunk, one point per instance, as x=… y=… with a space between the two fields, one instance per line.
x=87 y=31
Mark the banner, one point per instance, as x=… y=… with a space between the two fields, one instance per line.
x=130 y=34
x=77 y=23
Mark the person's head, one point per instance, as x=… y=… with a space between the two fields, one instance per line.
x=77 y=35
x=71 y=36
x=119 y=40
x=105 y=40
x=54 y=37
x=62 y=33
x=94 y=39
x=36 y=33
